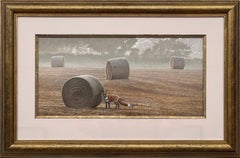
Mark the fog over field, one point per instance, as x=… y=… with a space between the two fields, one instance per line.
x=141 y=52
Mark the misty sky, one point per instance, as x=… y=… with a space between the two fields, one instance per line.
x=81 y=46
x=141 y=51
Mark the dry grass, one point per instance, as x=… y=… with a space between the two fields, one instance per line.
x=151 y=92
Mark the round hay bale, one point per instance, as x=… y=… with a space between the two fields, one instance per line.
x=117 y=68
x=83 y=91
x=57 y=61
x=177 y=62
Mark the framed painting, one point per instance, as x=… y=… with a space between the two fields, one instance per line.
x=141 y=76
x=111 y=78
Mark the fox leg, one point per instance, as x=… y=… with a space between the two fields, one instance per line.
x=107 y=105
x=117 y=105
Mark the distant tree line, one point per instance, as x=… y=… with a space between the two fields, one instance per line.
x=105 y=48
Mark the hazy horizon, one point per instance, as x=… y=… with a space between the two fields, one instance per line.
x=140 y=52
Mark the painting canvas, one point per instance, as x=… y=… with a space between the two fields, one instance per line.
x=141 y=76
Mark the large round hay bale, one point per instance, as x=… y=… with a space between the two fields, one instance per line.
x=83 y=91
x=117 y=68
x=177 y=62
x=57 y=61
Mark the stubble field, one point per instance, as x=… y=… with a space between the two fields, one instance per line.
x=152 y=92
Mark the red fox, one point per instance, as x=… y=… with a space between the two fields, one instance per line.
x=108 y=98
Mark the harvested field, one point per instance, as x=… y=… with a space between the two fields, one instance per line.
x=152 y=92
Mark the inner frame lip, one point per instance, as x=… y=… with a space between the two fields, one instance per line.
x=203 y=36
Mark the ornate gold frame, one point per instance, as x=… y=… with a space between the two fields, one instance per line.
x=11 y=147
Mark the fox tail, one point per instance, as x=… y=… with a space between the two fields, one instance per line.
x=124 y=103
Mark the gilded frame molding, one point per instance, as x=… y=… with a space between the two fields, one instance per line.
x=11 y=147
